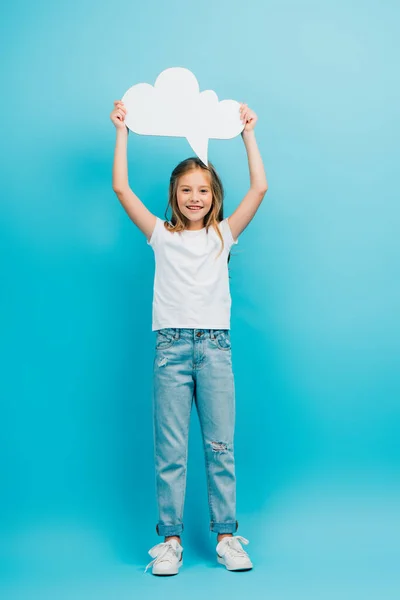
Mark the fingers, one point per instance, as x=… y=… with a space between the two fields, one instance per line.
x=247 y=116
x=244 y=112
x=119 y=110
x=119 y=105
x=118 y=114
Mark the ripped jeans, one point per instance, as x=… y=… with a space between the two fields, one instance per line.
x=194 y=364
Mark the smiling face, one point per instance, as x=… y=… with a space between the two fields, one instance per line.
x=194 y=196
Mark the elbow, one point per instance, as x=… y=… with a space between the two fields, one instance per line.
x=118 y=190
x=261 y=190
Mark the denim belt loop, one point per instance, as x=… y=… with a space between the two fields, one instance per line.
x=212 y=334
x=176 y=336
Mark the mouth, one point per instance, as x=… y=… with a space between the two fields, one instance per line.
x=194 y=208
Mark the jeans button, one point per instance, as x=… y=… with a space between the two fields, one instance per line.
x=199 y=333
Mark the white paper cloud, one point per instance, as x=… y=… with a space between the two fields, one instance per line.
x=176 y=107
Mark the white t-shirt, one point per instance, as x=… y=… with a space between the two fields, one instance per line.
x=191 y=285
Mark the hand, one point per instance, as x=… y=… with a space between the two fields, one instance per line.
x=248 y=117
x=118 y=114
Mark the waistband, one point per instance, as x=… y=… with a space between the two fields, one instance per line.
x=178 y=332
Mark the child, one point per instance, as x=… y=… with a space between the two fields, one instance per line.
x=191 y=318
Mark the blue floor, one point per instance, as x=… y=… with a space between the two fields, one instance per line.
x=313 y=541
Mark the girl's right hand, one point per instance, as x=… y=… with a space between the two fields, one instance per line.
x=118 y=114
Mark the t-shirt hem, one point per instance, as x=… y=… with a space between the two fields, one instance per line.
x=191 y=326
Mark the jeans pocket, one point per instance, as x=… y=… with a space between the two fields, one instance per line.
x=222 y=339
x=165 y=338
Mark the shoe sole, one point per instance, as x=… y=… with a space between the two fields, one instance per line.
x=167 y=573
x=222 y=562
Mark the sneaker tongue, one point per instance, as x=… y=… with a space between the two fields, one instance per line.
x=234 y=544
x=174 y=543
x=162 y=548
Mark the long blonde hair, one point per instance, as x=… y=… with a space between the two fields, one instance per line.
x=178 y=221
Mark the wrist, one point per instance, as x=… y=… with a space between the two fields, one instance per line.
x=122 y=131
x=248 y=134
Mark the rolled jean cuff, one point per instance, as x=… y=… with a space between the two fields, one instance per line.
x=230 y=527
x=167 y=530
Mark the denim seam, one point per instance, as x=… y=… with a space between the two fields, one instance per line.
x=214 y=340
x=165 y=347
x=172 y=340
x=184 y=478
x=210 y=504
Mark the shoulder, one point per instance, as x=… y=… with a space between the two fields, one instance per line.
x=226 y=231
x=161 y=227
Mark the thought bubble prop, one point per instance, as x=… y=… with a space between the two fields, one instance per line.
x=175 y=107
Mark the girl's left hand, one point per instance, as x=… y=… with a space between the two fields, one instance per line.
x=248 y=117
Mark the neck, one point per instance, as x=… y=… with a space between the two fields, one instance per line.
x=196 y=226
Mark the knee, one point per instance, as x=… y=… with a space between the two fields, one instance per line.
x=218 y=447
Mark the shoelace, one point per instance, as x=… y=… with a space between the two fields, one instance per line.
x=162 y=553
x=233 y=545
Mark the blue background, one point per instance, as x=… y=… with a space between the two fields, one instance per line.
x=314 y=281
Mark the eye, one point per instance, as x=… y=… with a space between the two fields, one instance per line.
x=205 y=191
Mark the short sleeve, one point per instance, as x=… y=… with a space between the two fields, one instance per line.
x=227 y=234
x=157 y=233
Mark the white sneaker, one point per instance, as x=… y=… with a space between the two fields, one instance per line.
x=231 y=554
x=167 y=558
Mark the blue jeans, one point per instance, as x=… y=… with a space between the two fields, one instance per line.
x=194 y=364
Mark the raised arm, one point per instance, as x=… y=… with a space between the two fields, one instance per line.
x=246 y=210
x=135 y=208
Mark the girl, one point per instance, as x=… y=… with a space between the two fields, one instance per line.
x=191 y=318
